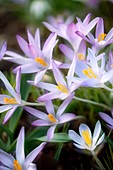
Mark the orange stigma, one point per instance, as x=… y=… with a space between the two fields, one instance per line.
x=10 y=100
x=17 y=166
x=51 y=118
x=101 y=37
x=89 y=73
x=41 y=61
x=86 y=136
x=81 y=56
x=62 y=88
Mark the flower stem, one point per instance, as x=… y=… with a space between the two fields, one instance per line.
x=98 y=161
x=33 y=104
x=92 y=102
x=107 y=88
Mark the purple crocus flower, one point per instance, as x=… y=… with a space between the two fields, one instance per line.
x=67 y=31
x=3 y=50
x=52 y=119
x=63 y=89
x=10 y=102
x=101 y=39
x=20 y=163
x=90 y=72
x=107 y=119
x=37 y=60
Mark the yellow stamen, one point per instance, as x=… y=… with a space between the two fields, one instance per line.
x=111 y=65
x=40 y=61
x=89 y=73
x=62 y=88
x=81 y=56
x=10 y=100
x=86 y=137
x=17 y=166
x=51 y=118
x=101 y=37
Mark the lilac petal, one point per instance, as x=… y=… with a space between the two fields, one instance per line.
x=41 y=123
x=100 y=27
x=47 y=86
x=91 y=25
x=82 y=48
x=39 y=76
x=50 y=132
x=109 y=35
x=4 y=168
x=63 y=106
x=32 y=167
x=71 y=29
x=83 y=36
x=48 y=96
x=50 y=27
x=31 y=39
x=7 y=84
x=107 y=76
x=6 y=159
x=27 y=68
x=32 y=155
x=32 y=50
x=18 y=78
x=76 y=138
x=96 y=133
x=107 y=118
x=110 y=126
x=20 y=155
x=37 y=38
x=37 y=113
x=5 y=108
x=66 y=117
x=87 y=19
x=57 y=74
x=68 y=52
x=3 y=50
x=23 y=45
x=49 y=107
x=9 y=114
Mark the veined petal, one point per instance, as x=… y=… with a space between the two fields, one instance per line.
x=20 y=155
x=106 y=117
x=5 y=108
x=99 y=27
x=66 y=117
x=18 y=78
x=76 y=138
x=64 y=105
x=50 y=132
x=8 y=85
x=32 y=155
x=9 y=114
x=6 y=159
x=37 y=113
x=41 y=123
x=96 y=133
x=49 y=107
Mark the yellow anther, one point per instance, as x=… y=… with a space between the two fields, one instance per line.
x=62 y=88
x=17 y=166
x=89 y=73
x=10 y=100
x=51 y=118
x=81 y=56
x=101 y=37
x=86 y=137
x=41 y=61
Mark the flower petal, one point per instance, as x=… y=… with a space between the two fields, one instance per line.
x=76 y=138
x=39 y=76
x=68 y=52
x=66 y=117
x=5 y=108
x=18 y=78
x=50 y=132
x=37 y=38
x=20 y=155
x=6 y=159
x=49 y=107
x=84 y=127
x=41 y=123
x=96 y=133
x=107 y=118
x=27 y=68
x=99 y=27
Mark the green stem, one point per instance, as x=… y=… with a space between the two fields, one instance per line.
x=33 y=104
x=92 y=102
x=98 y=161
x=58 y=151
x=107 y=88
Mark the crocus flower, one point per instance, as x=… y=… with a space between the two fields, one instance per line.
x=107 y=119
x=109 y=65
x=37 y=59
x=20 y=163
x=12 y=101
x=85 y=140
x=51 y=119
x=3 y=50
x=91 y=73
x=67 y=31
x=63 y=89
x=101 y=39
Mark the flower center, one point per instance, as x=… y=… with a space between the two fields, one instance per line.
x=51 y=118
x=89 y=73
x=17 y=166
x=40 y=61
x=101 y=37
x=81 y=56
x=10 y=101
x=86 y=137
x=62 y=88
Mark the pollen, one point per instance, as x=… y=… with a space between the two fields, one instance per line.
x=86 y=137
x=62 y=88
x=51 y=118
x=17 y=166
x=40 y=61
x=10 y=100
x=81 y=56
x=101 y=37
x=89 y=73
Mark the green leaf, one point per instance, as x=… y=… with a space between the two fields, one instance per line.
x=58 y=137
